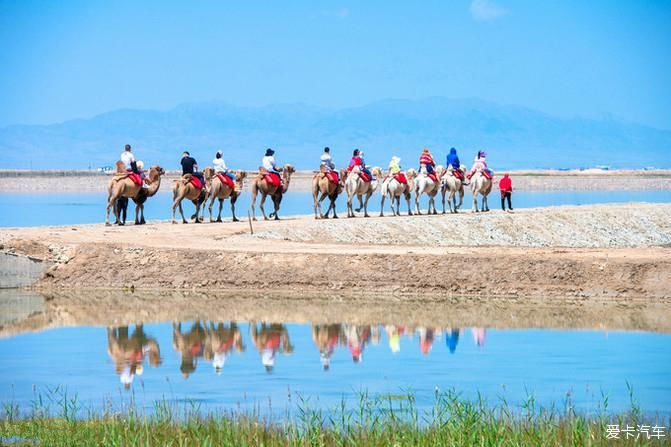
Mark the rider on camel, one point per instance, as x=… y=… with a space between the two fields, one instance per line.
x=190 y=166
x=327 y=161
x=357 y=160
x=426 y=163
x=220 y=165
x=480 y=162
x=269 y=164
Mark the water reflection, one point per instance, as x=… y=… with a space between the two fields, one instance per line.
x=269 y=339
x=128 y=352
x=215 y=341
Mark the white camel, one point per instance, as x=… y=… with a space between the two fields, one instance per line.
x=423 y=184
x=452 y=185
x=355 y=186
x=483 y=186
x=395 y=189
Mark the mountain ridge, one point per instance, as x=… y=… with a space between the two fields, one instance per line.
x=513 y=136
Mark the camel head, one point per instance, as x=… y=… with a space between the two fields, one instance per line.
x=440 y=170
x=240 y=175
x=376 y=171
x=411 y=173
x=288 y=169
x=208 y=173
x=155 y=172
x=343 y=174
x=120 y=166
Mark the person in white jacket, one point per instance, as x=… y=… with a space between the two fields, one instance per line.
x=220 y=165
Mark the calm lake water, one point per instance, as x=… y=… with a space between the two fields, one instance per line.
x=229 y=365
x=17 y=210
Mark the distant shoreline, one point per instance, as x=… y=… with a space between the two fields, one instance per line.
x=87 y=181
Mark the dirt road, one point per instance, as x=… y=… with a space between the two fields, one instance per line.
x=574 y=252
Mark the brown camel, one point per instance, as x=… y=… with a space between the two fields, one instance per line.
x=184 y=189
x=122 y=186
x=221 y=191
x=322 y=187
x=259 y=185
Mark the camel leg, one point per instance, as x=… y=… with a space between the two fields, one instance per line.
x=475 y=202
x=333 y=204
x=433 y=203
x=253 y=204
x=484 y=203
x=181 y=211
x=234 y=199
x=359 y=196
x=276 y=202
x=209 y=206
x=221 y=206
x=137 y=214
x=196 y=203
x=365 y=204
x=417 y=210
x=461 y=199
x=107 y=210
x=322 y=196
x=350 y=211
x=442 y=193
x=382 y=197
x=263 y=211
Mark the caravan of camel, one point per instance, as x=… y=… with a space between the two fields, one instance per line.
x=352 y=182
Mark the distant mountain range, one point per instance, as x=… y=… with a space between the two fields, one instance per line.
x=514 y=137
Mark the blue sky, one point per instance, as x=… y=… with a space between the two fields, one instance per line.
x=71 y=59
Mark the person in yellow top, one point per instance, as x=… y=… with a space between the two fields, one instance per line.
x=394 y=165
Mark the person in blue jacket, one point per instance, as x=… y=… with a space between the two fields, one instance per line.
x=453 y=159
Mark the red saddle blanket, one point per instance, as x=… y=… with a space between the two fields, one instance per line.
x=333 y=177
x=136 y=178
x=401 y=178
x=195 y=181
x=226 y=180
x=433 y=176
x=458 y=174
x=365 y=177
x=273 y=179
x=487 y=174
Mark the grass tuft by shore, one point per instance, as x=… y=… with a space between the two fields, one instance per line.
x=383 y=420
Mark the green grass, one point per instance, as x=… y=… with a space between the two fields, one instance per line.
x=384 y=420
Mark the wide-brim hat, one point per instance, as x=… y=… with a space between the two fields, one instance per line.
x=269 y=152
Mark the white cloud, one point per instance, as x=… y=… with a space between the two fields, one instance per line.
x=486 y=10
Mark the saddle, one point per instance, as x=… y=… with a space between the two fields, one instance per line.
x=195 y=181
x=487 y=174
x=401 y=178
x=333 y=177
x=272 y=179
x=458 y=174
x=433 y=177
x=136 y=178
x=365 y=177
x=226 y=180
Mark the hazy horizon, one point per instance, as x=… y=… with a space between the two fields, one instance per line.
x=78 y=59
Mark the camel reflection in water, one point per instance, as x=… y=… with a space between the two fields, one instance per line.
x=216 y=341
x=327 y=337
x=129 y=351
x=220 y=341
x=269 y=339
x=213 y=341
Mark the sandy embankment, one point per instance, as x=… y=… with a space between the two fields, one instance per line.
x=530 y=180
x=28 y=311
x=571 y=253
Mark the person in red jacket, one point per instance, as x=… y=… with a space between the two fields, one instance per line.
x=426 y=162
x=506 y=187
